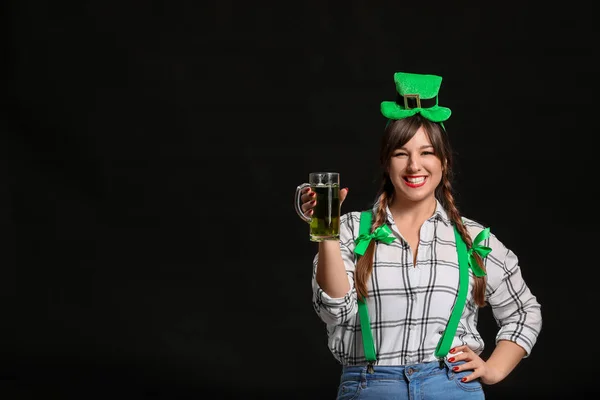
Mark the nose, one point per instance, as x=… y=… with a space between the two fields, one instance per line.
x=414 y=164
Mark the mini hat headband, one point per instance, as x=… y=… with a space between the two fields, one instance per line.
x=416 y=93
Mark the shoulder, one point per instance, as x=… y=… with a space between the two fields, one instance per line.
x=350 y=220
x=349 y=229
x=499 y=250
x=350 y=223
x=351 y=215
x=473 y=226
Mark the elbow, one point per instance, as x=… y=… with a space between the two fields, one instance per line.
x=336 y=293
x=337 y=318
x=335 y=310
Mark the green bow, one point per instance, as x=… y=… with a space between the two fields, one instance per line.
x=483 y=251
x=383 y=234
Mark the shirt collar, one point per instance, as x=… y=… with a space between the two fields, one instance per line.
x=439 y=213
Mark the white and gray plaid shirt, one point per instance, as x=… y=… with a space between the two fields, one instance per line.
x=409 y=306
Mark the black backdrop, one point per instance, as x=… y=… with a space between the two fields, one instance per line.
x=150 y=155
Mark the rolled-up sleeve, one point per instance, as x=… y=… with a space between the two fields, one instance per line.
x=335 y=311
x=515 y=308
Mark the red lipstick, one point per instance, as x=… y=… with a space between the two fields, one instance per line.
x=415 y=185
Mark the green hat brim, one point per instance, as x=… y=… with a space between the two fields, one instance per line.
x=392 y=110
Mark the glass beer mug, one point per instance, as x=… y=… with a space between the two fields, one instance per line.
x=325 y=221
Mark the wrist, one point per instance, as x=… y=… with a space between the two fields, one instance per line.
x=329 y=243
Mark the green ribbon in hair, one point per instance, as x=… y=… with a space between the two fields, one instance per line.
x=483 y=251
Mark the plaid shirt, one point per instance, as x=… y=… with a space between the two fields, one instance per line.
x=409 y=306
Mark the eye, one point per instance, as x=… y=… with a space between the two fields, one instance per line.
x=428 y=153
x=399 y=154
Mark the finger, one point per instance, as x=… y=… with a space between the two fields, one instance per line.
x=464 y=355
x=459 y=349
x=308 y=196
x=467 y=366
x=457 y=358
x=309 y=206
x=308 y=214
x=470 y=377
x=343 y=194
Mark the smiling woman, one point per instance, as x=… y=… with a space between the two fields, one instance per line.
x=414 y=156
x=415 y=165
x=401 y=288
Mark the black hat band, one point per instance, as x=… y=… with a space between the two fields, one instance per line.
x=409 y=101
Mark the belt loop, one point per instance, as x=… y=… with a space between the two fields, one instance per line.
x=363 y=378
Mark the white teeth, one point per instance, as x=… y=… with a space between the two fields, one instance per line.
x=416 y=180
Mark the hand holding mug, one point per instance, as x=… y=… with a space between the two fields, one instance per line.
x=308 y=199
x=318 y=203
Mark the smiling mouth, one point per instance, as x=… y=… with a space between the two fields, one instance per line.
x=414 y=182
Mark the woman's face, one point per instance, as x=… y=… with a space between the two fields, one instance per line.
x=415 y=170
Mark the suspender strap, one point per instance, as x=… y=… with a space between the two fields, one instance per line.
x=463 y=284
x=363 y=312
x=448 y=336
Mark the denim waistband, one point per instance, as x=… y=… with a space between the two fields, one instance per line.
x=401 y=372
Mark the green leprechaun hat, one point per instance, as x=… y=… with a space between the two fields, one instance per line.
x=417 y=93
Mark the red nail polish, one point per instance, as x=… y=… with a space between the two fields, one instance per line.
x=451 y=359
x=454 y=368
x=452 y=350
x=463 y=380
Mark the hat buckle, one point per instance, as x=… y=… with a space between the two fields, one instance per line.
x=415 y=100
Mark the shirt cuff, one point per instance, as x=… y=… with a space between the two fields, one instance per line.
x=329 y=301
x=521 y=341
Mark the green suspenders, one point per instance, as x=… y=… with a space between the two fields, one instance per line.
x=363 y=312
x=447 y=337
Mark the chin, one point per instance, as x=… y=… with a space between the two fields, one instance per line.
x=415 y=197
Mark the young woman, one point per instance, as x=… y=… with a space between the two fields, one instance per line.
x=401 y=289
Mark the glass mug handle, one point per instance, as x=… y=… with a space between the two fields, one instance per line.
x=297 y=202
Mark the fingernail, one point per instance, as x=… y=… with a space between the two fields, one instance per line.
x=451 y=359
x=463 y=379
x=454 y=368
x=346 y=188
x=312 y=194
x=451 y=350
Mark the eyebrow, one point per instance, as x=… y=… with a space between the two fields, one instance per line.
x=421 y=148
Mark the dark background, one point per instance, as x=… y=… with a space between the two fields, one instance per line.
x=150 y=155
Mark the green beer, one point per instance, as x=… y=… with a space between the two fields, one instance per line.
x=325 y=220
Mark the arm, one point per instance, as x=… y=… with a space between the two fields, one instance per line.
x=331 y=272
x=505 y=357
x=517 y=313
x=515 y=308
x=334 y=296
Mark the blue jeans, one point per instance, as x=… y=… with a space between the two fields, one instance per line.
x=420 y=381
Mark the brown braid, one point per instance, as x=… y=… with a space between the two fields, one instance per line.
x=364 y=266
x=480 y=282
